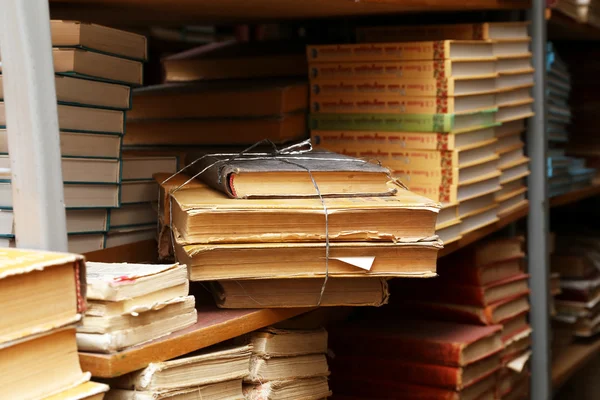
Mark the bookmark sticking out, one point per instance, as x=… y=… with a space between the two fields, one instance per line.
x=518 y=363
x=361 y=262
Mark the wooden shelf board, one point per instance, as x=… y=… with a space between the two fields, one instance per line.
x=577 y=195
x=213 y=326
x=563 y=27
x=571 y=359
x=182 y=11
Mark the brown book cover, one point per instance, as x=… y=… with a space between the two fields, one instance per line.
x=454 y=268
x=431 y=342
x=308 y=174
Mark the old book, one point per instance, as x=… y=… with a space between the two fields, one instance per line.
x=285 y=293
x=413 y=372
x=401 y=87
x=432 y=50
x=201 y=215
x=311 y=174
x=457 y=267
x=491 y=251
x=447 y=215
x=78 y=221
x=85 y=391
x=117 y=340
x=192 y=370
x=51 y=360
x=83 y=170
x=377 y=388
x=393 y=122
x=473 y=206
x=99 y=38
x=577 y=289
x=347 y=141
x=123 y=281
x=520 y=64
x=285 y=368
x=481 y=219
x=507 y=97
x=450 y=233
x=216 y=131
x=228 y=98
x=289 y=389
x=133 y=215
x=273 y=342
x=129 y=234
x=227 y=390
x=432 y=69
x=308 y=260
x=496 y=313
x=509 y=48
x=511 y=81
x=515 y=111
x=376 y=104
x=50 y=287
x=139 y=191
x=429 y=342
x=84 y=119
x=498 y=31
x=91 y=64
x=232 y=60
x=73 y=90
x=515 y=170
x=444 y=291
x=112 y=322
x=80 y=144
x=143 y=168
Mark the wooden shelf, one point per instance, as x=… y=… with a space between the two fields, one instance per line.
x=138 y=12
x=213 y=326
x=571 y=359
x=577 y=195
x=562 y=27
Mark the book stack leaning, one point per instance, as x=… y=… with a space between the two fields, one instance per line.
x=256 y=221
x=38 y=349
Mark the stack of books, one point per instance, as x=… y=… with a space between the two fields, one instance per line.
x=288 y=364
x=213 y=374
x=419 y=359
x=249 y=234
x=43 y=297
x=578 y=305
x=96 y=68
x=482 y=284
x=129 y=304
x=513 y=82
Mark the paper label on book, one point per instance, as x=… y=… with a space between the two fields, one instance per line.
x=518 y=363
x=361 y=262
x=123 y=272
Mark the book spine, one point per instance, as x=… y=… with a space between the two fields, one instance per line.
x=425 y=32
x=393 y=141
x=432 y=50
x=381 y=70
x=394 y=88
x=415 y=160
x=383 y=122
x=382 y=105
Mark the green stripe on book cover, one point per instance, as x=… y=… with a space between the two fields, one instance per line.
x=74 y=74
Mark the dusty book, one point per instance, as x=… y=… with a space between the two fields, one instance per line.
x=204 y=215
x=51 y=289
x=273 y=342
x=432 y=50
x=196 y=369
x=143 y=168
x=284 y=368
x=312 y=174
x=429 y=342
x=289 y=389
x=286 y=293
x=308 y=260
x=227 y=390
x=498 y=31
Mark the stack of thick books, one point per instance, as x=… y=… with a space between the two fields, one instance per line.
x=95 y=69
x=43 y=296
x=129 y=304
x=288 y=364
x=250 y=233
x=214 y=374
x=419 y=359
x=578 y=305
x=483 y=284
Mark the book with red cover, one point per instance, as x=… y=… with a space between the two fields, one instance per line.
x=454 y=269
x=466 y=294
x=361 y=387
x=404 y=371
x=419 y=341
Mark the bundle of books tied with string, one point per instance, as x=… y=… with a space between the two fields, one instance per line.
x=295 y=227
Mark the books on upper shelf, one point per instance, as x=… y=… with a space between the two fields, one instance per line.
x=306 y=292
x=133 y=303
x=129 y=215
x=76 y=195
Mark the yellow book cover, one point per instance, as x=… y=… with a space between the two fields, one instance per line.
x=414 y=159
x=431 y=50
x=432 y=69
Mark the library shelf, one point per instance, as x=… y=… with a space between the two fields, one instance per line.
x=213 y=326
x=572 y=359
x=574 y=196
x=144 y=12
x=563 y=27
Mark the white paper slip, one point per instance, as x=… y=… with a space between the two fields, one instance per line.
x=361 y=262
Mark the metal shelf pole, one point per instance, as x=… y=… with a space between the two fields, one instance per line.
x=538 y=221
x=32 y=125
